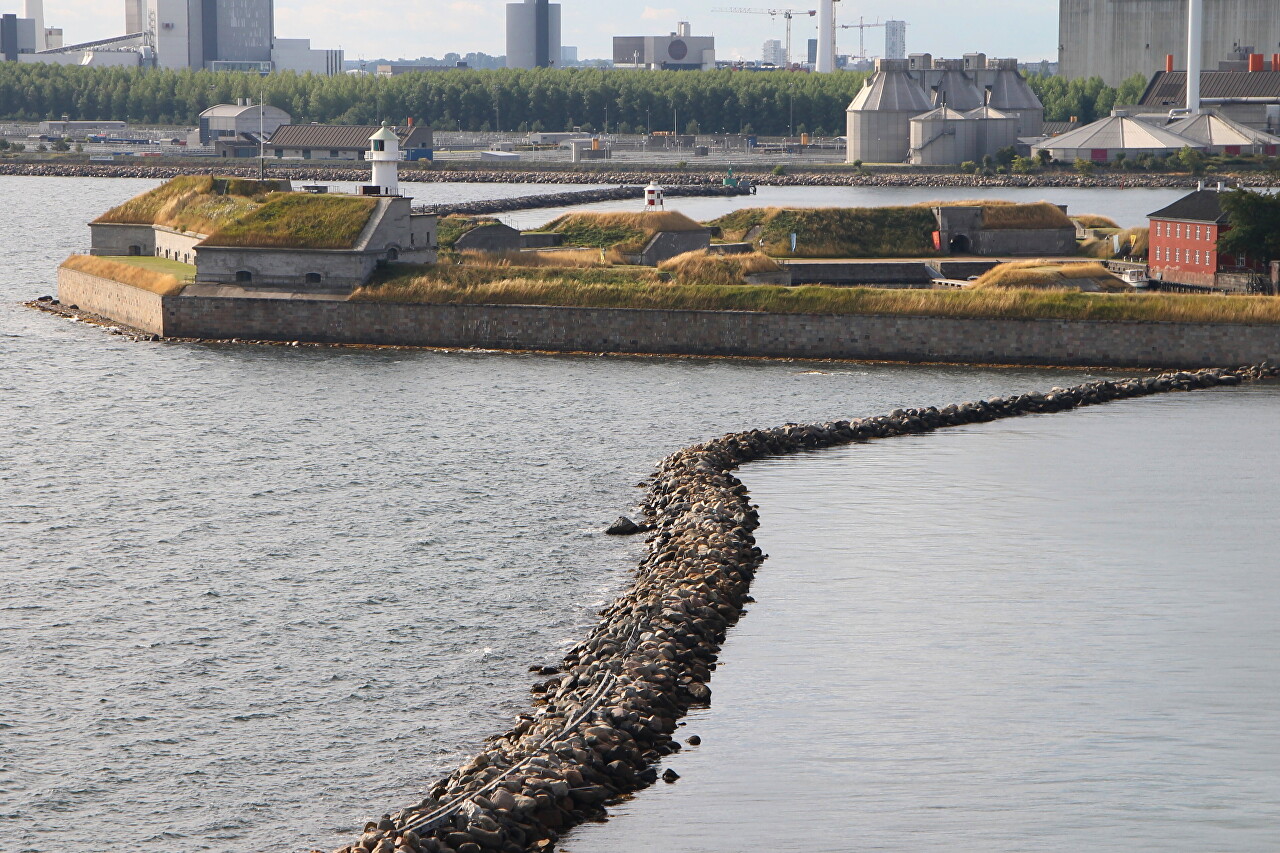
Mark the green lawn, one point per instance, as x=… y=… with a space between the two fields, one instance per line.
x=161 y=265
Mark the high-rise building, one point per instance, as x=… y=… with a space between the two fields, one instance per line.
x=773 y=54
x=1114 y=41
x=533 y=34
x=895 y=39
x=811 y=54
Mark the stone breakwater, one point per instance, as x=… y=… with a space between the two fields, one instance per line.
x=608 y=712
x=797 y=176
x=565 y=199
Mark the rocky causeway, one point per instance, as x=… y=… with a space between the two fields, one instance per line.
x=606 y=715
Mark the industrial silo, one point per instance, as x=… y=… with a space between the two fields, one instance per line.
x=994 y=130
x=954 y=88
x=1010 y=94
x=942 y=137
x=879 y=118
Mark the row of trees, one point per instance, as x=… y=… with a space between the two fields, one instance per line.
x=1084 y=99
x=772 y=103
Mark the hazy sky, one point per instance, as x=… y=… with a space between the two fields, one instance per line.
x=412 y=28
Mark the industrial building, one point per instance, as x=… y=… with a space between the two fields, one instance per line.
x=1250 y=98
x=344 y=142
x=985 y=101
x=239 y=120
x=221 y=35
x=533 y=34
x=1115 y=40
x=680 y=50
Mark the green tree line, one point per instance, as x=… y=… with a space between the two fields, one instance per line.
x=771 y=103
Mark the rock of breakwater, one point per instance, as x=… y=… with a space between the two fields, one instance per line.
x=624 y=527
x=607 y=717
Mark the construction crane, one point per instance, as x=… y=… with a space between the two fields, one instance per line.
x=787 y=15
x=862 y=32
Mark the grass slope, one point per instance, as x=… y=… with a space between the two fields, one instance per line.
x=128 y=272
x=835 y=232
x=631 y=288
x=703 y=267
x=298 y=221
x=1046 y=275
x=625 y=232
x=198 y=203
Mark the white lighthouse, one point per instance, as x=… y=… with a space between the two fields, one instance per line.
x=384 y=153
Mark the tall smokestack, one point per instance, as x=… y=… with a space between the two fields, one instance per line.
x=1195 y=21
x=826 y=37
x=35 y=9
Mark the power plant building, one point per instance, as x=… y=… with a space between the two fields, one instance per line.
x=1115 y=40
x=533 y=34
x=940 y=112
x=680 y=50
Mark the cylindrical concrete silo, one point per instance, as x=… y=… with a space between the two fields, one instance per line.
x=995 y=130
x=1010 y=94
x=879 y=118
x=942 y=137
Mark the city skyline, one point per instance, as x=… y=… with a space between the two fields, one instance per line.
x=399 y=29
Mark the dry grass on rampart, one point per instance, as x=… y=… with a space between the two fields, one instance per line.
x=563 y=258
x=1040 y=215
x=625 y=232
x=703 y=267
x=631 y=288
x=1093 y=220
x=1048 y=275
x=126 y=273
x=299 y=221
x=1133 y=243
x=194 y=203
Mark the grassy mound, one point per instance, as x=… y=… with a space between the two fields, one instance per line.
x=624 y=232
x=298 y=221
x=632 y=288
x=198 y=203
x=450 y=228
x=1037 y=216
x=703 y=267
x=561 y=258
x=835 y=232
x=1093 y=220
x=124 y=272
x=1046 y=275
x=1133 y=243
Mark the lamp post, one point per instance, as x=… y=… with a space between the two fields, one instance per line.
x=262 y=124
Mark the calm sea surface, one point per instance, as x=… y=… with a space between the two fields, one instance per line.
x=251 y=596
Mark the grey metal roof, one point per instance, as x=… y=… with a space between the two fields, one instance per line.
x=957 y=91
x=891 y=91
x=1213 y=129
x=342 y=137
x=1199 y=206
x=1169 y=88
x=1009 y=91
x=1115 y=132
x=229 y=110
x=991 y=113
x=940 y=114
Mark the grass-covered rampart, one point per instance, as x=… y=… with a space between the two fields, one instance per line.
x=1050 y=275
x=630 y=288
x=834 y=232
x=622 y=232
x=298 y=221
x=194 y=203
x=130 y=272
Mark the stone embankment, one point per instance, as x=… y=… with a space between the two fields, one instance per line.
x=796 y=176
x=572 y=197
x=608 y=712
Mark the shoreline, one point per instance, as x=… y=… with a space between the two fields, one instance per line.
x=608 y=714
x=796 y=177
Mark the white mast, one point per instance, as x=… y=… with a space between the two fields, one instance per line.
x=826 y=37
x=1195 y=21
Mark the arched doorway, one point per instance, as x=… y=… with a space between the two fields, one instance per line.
x=244 y=275
x=960 y=245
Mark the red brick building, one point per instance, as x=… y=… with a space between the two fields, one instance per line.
x=1183 y=245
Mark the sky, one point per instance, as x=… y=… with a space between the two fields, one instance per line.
x=411 y=28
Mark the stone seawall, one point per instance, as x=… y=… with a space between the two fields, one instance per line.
x=607 y=714
x=123 y=303
x=677 y=332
